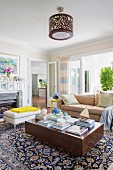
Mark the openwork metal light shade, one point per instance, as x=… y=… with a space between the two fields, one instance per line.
x=61 y=26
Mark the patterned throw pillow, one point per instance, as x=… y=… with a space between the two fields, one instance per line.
x=69 y=99
x=105 y=99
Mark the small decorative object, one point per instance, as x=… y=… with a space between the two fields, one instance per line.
x=65 y=114
x=14 y=78
x=56 y=111
x=55 y=96
x=84 y=114
x=43 y=112
x=8 y=71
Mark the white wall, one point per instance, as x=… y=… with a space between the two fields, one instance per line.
x=24 y=53
x=37 y=55
x=38 y=70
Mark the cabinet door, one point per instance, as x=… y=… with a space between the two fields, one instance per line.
x=42 y=92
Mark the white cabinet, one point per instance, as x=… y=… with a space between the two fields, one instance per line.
x=12 y=85
x=42 y=92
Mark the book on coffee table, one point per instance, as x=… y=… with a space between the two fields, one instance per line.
x=77 y=130
x=61 y=126
x=90 y=123
x=71 y=120
x=46 y=123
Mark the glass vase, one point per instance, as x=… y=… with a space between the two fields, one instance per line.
x=9 y=76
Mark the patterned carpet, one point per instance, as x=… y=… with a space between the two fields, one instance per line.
x=20 y=151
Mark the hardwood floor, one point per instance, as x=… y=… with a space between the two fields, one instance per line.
x=39 y=102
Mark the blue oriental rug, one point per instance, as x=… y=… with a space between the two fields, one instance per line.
x=20 y=151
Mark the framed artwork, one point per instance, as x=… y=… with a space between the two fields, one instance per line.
x=3 y=86
x=11 y=61
x=10 y=86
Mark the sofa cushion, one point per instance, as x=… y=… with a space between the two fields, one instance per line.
x=69 y=99
x=105 y=99
x=86 y=99
x=77 y=108
x=96 y=110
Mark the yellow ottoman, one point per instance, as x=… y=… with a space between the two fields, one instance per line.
x=17 y=118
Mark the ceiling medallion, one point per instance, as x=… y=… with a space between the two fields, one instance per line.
x=60 y=26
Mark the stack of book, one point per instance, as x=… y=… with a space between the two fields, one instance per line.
x=53 y=117
x=46 y=123
x=89 y=123
x=61 y=126
x=71 y=120
x=77 y=130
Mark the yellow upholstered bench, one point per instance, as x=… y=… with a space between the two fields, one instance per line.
x=20 y=115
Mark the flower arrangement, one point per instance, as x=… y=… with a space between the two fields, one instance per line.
x=8 y=70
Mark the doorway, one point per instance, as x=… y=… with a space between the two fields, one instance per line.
x=50 y=73
x=39 y=84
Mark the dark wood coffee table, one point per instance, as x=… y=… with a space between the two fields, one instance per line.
x=77 y=146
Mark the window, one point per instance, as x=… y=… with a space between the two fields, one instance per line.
x=86 y=77
x=75 y=77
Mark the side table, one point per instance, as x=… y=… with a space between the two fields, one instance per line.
x=51 y=103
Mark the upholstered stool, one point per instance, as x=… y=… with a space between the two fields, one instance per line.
x=16 y=118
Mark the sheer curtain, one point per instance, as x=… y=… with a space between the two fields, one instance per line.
x=64 y=75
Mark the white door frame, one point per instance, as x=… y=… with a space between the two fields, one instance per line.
x=29 y=77
x=48 y=96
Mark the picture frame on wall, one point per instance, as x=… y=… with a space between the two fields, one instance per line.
x=8 y=60
x=10 y=86
x=3 y=86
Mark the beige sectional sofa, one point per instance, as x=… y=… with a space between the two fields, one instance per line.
x=90 y=101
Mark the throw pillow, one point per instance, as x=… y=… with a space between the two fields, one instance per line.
x=105 y=99
x=69 y=99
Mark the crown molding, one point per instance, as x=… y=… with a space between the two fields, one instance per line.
x=12 y=41
x=56 y=51
x=79 y=45
x=28 y=46
x=34 y=49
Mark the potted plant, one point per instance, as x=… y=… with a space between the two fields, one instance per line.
x=42 y=83
x=106 y=78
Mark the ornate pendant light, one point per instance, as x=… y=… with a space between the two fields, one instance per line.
x=60 y=26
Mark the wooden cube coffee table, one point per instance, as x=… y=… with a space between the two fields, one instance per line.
x=77 y=146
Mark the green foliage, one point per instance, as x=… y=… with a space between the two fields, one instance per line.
x=106 y=78
x=42 y=83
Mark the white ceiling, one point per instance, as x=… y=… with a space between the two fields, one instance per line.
x=27 y=21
